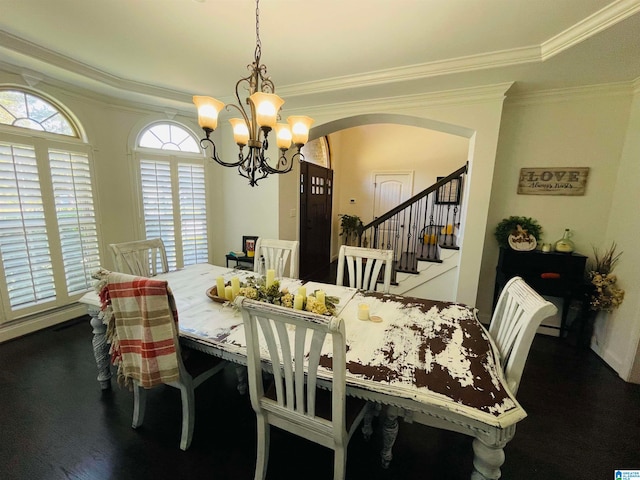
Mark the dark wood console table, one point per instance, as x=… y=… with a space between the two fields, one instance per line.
x=238 y=260
x=554 y=274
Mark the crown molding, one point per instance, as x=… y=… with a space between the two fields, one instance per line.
x=599 y=21
x=558 y=95
x=45 y=55
x=456 y=97
x=588 y=27
x=484 y=61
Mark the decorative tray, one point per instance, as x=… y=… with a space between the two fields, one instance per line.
x=212 y=293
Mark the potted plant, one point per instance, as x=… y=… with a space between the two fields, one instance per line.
x=351 y=228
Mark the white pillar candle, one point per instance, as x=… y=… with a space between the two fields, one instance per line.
x=363 y=311
x=302 y=291
x=271 y=276
x=298 y=301
x=320 y=296
x=228 y=292
x=235 y=286
x=220 y=287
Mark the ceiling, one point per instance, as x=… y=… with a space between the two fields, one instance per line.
x=161 y=52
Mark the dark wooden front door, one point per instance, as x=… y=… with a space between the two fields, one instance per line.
x=316 y=192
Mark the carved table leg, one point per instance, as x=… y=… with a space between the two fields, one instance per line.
x=489 y=454
x=241 y=373
x=367 y=422
x=101 y=349
x=389 y=434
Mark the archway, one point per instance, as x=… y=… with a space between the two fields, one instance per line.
x=414 y=151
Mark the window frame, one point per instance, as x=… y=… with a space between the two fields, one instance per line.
x=43 y=142
x=174 y=158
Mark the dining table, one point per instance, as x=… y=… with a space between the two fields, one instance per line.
x=421 y=360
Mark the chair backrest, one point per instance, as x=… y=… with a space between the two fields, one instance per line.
x=518 y=314
x=294 y=341
x=363 y=267
x=145 y=258
x=272 y=250
x=144 y=320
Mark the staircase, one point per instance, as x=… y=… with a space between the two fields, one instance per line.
x=424 y=228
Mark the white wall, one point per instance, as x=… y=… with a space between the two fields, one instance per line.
x=577 y=128
x=617 y=336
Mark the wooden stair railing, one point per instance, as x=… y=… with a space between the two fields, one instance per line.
x=420 y=227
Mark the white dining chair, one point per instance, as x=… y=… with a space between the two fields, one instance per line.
x=272 y=250
x=143 y=319
x=294 y=402
x=516 y=318
x=145 y=258
x=363 y=266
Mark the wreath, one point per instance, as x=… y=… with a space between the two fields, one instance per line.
x=509 y=226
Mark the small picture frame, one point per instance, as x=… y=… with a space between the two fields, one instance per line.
x=449 y=193
x=249 y=245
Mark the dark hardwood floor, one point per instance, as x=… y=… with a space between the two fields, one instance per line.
x=56 y=423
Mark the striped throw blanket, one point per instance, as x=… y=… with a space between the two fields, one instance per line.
x=141 y=322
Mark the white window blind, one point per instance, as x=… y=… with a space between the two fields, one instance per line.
x=24 y=240
x=174 y=208
x=157 y=203
x=73 y=196
x=193 y=213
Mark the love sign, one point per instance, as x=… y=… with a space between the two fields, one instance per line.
x=553 y=181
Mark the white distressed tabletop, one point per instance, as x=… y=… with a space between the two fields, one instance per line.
x=435 y=353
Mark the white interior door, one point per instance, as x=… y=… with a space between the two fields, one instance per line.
x=390 y=190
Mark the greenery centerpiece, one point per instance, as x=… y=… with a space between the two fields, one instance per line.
x=513 y=225
x=605 y=295
x=255 y=288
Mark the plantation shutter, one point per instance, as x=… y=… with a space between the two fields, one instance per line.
x=193 y=213
x=157 y=202
x=71 y=180
x=24 y=242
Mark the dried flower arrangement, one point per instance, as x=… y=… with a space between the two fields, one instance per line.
x=606 y=295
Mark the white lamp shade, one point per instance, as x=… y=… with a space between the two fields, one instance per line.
x=283 y=136
x=300 y=126
x=240 y=131
x=267 y=106
x=208 y=110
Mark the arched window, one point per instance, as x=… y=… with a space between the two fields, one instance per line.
x=317 y=151
x=166 y=136
x=27 y=110
x=48 y=232
x=173 y=192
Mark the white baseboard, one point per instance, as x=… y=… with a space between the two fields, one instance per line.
x=34 y=323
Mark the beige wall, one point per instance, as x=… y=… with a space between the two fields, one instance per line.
x=357 y=152
x=580 y=128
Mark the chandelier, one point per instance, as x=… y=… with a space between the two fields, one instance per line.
x=252 y=130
